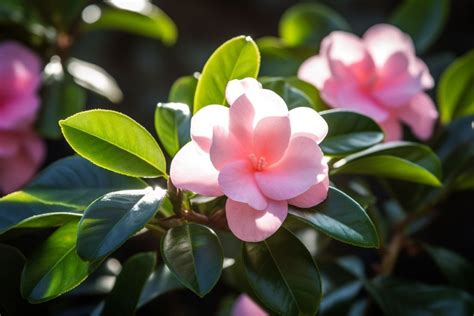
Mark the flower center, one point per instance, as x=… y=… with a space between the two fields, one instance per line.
x=258 y=163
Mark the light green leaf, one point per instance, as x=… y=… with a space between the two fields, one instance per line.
x=307 y=24
x=112 y=219
x=399 y=160
x=422 y=20
x=237 y=58
x=194 y=254
x=341 y=218
x=55 y=268
x=283 y=274
x=115 y=142
x=455 y=89
x=172 y=124
x=183 y=90
x=349 y=132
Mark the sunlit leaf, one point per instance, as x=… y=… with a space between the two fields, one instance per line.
x=172 y=124
x=183 y=90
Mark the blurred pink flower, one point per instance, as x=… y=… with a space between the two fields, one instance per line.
x=20 y=76
x=21 y=150
x=260 y=155
x=244 y=306
x=21 y=154
x=378 y=75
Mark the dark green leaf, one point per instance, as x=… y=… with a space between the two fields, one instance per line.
x=123 y=298
x=457 y=269
x=283 y=274
x=183 y=90
x=307 y=24
x=349 y=132
x=115 y=142
x=193 y=253
x=172 y=124
x=11 y=263
x=161 y=281
x=405 y=298
x=293 y=96
x=422 y=20
x=455 y=89
x=400 y=160
x=112 y=219
x=55 y=268
x=237 y=58
x=148 y=21
x=341 y=218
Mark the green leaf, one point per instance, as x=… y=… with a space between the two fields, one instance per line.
x=341 y=218
x=457 y=269
x=237 y=58
x=422 y=20
x=283 y=274
x=55 y=268
x=349 y=132
x=455 y=92
x=115 y=142
x=172 y=124
x=193 y=253
x=183 y=90
x=61 y=191
x=95 y=79
x=308 y=23
x=400 y=160
x=405 y=298
x=123 y=298
x=148 y=21
x=112 y=219
x=11 y=263
x=161 y=281
x=293 y=96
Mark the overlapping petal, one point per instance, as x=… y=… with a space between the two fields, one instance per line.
x=420 y=115
x=235 y=88
x=307 y=122
x=271 y=138
x=204 y=121
x=315 y=195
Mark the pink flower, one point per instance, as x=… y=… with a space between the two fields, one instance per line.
x=244 y=306
x=378 y=75
x=21 y=154
x=20 y=75
x=260 y=155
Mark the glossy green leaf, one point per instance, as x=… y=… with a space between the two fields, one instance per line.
x=293 y=96
x=11 y=263
x=455 y=89
x=55 y=268
x=183 y=90
x=237 y=58
x=112 y=219
x=283 y=274
x=148 y=21
x=95 y=79
x=400 y=160
x=406 y=298
x=308 y=23
x=115 y=142
x=310 y=91
x=422 y=20
x=457 y=269
x=172 y=124
x=123 y=298
x=193 y=253
x=349 y=132
x=161 y=281
x=341 y=218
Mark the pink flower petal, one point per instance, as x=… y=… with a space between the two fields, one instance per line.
x=392 y=129
x=315 y=70
x=271 y=138
x=359 y=101
x=253 y=225
x=191 y=169
x=300 y=168
x=238 y=183
x=17 y=169
x=314 y=196
x=225 y=148
x=245 y=306
x=204 y=121
x=18 y=111
x=420 y=115
x=9 y=144
x=235 y=88
x=307 y=122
